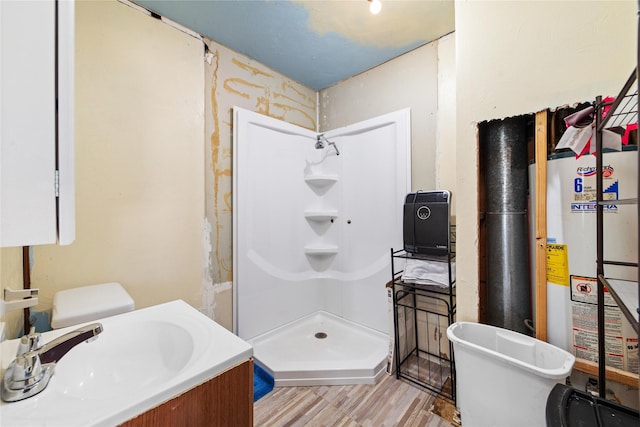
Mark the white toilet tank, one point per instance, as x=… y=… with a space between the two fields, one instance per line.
x=88 y=303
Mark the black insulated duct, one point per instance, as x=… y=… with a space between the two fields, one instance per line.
x=504 y=145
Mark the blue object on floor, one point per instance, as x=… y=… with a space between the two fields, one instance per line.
x=262 y=382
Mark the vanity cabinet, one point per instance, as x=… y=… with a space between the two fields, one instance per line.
x=225 y=400
x=36 y=122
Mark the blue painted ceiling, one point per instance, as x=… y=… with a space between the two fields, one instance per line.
x=317 y=43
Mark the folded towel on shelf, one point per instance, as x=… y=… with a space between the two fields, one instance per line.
x=427 y=272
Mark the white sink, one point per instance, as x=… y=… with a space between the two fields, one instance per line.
x=140 y=360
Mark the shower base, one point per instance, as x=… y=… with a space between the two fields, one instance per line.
x=322 y=349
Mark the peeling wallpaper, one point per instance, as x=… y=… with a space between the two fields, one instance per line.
x=235 y=80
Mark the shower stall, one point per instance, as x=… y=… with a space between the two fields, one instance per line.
x=314 y=216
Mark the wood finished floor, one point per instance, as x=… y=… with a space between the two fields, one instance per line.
x=390 y=402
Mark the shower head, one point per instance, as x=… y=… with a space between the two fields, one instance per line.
x=320 y=141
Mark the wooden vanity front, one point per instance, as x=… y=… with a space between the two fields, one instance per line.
x=225 y=400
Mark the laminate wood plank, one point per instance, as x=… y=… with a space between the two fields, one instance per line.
x=390 y=402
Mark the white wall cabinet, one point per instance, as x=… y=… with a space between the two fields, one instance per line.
x=36 y=122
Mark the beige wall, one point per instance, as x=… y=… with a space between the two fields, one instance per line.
x=410 y=80
x=521 y=57
x=139 y=161
x=235 y=80
x=445 y=158
x=11 y=277
x=423 y=80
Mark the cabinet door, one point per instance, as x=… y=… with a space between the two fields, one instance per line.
x=29 y=142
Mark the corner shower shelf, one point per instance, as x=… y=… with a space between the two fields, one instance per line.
x=321 y=215
x=321 y=180
x=321 y=250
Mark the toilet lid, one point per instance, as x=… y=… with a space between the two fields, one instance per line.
x=88 y=303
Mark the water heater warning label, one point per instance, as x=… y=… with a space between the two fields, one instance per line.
x=557 y=264
x=619 y=346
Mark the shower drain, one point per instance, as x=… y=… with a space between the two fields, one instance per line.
x=320 y=335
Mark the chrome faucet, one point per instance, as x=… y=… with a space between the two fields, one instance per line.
x=321 y=140
x=33 y=366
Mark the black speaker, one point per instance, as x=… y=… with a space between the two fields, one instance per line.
x=426 y=223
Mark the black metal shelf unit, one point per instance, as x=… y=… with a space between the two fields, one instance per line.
x=422 y=313
x=621 y=112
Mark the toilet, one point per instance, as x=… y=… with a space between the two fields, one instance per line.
x=87 y=303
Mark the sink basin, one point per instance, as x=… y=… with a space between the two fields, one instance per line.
x=156 y=351
x=140 y=360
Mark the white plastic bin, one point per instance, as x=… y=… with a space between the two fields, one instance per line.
x=503 y=378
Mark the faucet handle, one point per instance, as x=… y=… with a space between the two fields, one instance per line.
x=28 y=368
x=29 y=342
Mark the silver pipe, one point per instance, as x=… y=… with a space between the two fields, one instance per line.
x=504 y=145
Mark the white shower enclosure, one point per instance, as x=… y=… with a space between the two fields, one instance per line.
x=313 y=222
